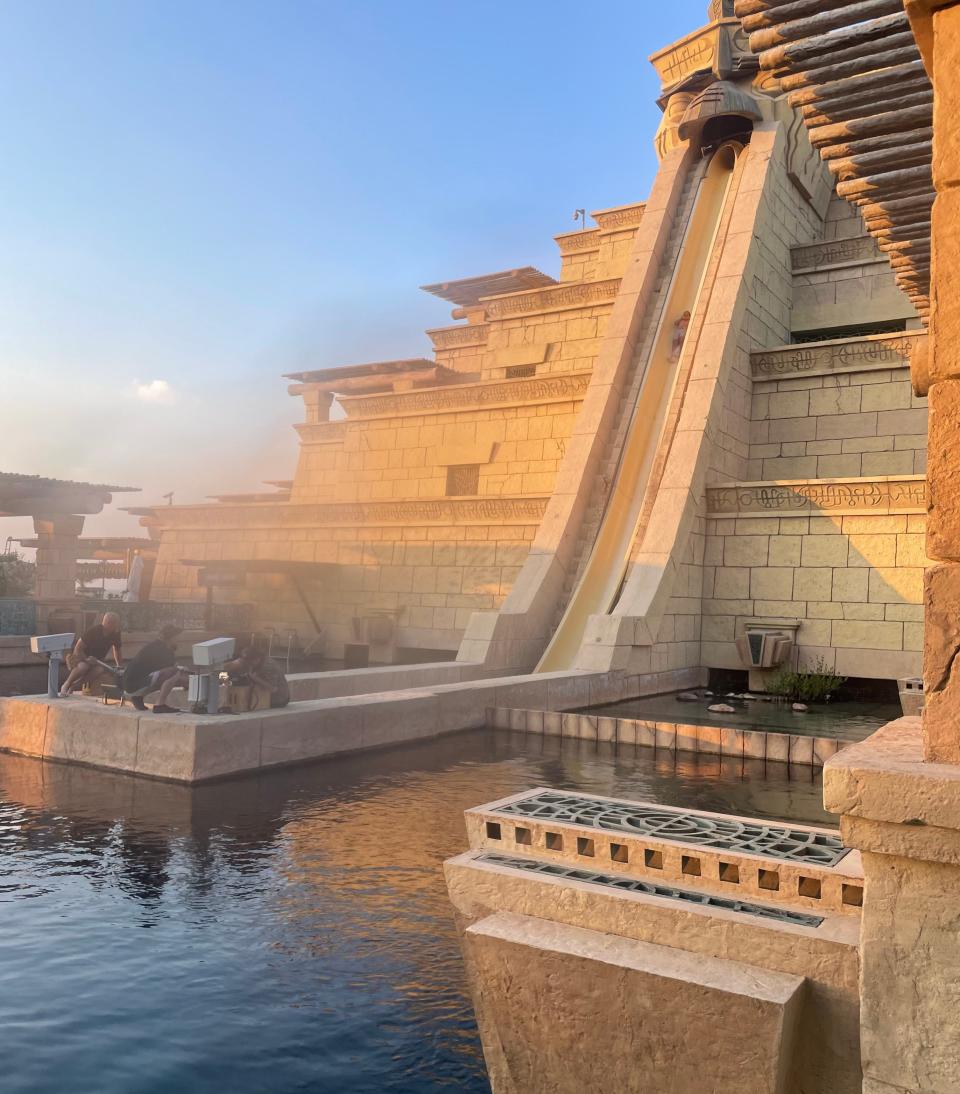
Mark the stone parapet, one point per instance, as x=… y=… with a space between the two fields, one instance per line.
x=885 y=494
x=834 y=253
x=459 y=397
x=872 y=353
x=557 y=298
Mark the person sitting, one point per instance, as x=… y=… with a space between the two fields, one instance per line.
x=87 y=660
x=155 y=668
x=255 y=667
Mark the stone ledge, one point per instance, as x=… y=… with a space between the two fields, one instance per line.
x=890 y=801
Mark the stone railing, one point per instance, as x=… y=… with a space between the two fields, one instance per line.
x=877 y=351
x=905 y=494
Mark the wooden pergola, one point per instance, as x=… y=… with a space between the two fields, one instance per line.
x=854 y=69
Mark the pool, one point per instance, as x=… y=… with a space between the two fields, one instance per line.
x=280 y=933
x=849 y=721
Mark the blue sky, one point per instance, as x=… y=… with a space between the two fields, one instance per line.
x=197 y=197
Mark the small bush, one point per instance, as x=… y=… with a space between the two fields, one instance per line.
x=815 y=686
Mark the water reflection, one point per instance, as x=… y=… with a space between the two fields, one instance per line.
x=298 y=935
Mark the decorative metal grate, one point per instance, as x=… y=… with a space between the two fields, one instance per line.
x=649 y=888
x=18 y=616
x=723 y=833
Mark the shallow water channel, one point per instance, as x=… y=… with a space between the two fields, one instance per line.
x=280 y=933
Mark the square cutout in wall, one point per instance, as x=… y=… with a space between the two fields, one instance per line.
x=493 y=830
x=653 y=860
x=810 y=887
x=690 y=865
x=585 y=846
x=852 y=895
x=554 y=841
x=463 y=480
x=619 y=853
x=730 y=872
x=769 y=879
x=523 y=836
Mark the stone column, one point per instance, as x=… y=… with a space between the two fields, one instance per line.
x=57 y=551
x=898 y=793
x=939 y=31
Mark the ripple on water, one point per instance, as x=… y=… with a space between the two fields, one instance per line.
x=281 y=933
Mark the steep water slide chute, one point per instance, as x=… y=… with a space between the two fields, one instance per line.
x=599 y=585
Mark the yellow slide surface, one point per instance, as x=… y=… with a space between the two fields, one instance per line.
x=598 y=587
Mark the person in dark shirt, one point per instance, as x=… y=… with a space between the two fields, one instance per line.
x=155 y=667
x=255 y=666
x=86 y=659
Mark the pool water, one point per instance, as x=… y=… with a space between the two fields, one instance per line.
x=848 y=721
x=281 y=933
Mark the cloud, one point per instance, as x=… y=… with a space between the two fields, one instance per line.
x=156 y=391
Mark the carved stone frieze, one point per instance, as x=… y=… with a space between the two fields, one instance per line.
x=474 y=334
x=581 y=295
x=485 y=511
x=883 y=495
x=836 y=252
x=850 y=355
x=435 y=400
x=570 y=242
x=322 y=432
x=626 y=216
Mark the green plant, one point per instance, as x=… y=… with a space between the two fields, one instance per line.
x=813 y=686
x=17 y=575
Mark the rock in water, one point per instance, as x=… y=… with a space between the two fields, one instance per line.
x=687 y=697
x=800 y=708
x=721 y=708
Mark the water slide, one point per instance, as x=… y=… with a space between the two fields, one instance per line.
x=599 y=586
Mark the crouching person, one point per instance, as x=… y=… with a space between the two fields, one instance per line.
x=155 y=668
x=254 y=667
x=87 y=659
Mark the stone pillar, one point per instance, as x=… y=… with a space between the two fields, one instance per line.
x=938 y=32
x=903 y=814
x=57 y=551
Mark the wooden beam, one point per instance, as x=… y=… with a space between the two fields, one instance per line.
x=756 y=14
x=898 y=49
x=809 y=52
x=906 y=176
x=839 y=19
x=903 y=122
x=869 y=162
x=838 y=111
x=859 y=83
x=874 y=143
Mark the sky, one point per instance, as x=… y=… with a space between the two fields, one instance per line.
x=197 y=197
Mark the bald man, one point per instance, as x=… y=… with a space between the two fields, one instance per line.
x=86 y=659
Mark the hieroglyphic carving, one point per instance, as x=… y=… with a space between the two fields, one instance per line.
x=862 y=355
x=627 y=216
x=683 y=59
x=833 y=253
x=906 y=494
x=284 y=515
x=474 y=334
x=588 y=240
x=322 y=432
x=580 y=295
x=546 y=389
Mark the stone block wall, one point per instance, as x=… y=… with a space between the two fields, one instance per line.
x=844 y=425
x=855 y=583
